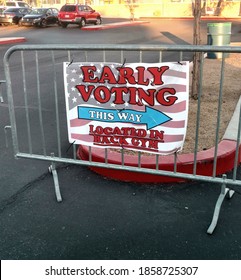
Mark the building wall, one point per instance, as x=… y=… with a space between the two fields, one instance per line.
x=164 y=8
x=145 y=10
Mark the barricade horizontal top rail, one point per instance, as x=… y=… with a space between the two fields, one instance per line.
x=128 y=47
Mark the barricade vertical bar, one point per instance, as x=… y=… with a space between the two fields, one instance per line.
x=74 y=151
x=237 y=147
x=69 y=56
x=26 y=105
x=11 y=105
x=39 y=104
x=106 y=155
x=86 y=56
x=140 y=56
x=160 y=56
x=6 y=136
x=90 y=154
x=181 y=56
x=175 y=162
x=198 y=116
x=122 y=157
x=218 y=116
x=104 y=56
x=139 y=159
x=157 y=162
x=56 y=106
x=122 y=56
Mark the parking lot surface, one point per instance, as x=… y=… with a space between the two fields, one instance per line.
x=99 y=218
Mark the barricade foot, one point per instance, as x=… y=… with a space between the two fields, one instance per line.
x=53 y=170
x=224 y=192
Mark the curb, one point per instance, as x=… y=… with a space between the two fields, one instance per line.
x=113 y=25
x=192 y=17
x=12 y=40
x=185 y=162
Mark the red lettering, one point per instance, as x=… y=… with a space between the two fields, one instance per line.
x=102 y=94
x=88 y=73
x=148 y=96
x=126 y=75
x=168 y=100
x=119 y=91
x=155 y=134
x=85 y=93
x=141 y=76
x=157 y=73
x=133 y=98
x=116 y=131
x=108 y=130
x=107 y=76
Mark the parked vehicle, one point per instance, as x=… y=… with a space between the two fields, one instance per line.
x=2 y=8
x=20 y=4
x=40 y=17
x=78 y=14
x=13 y=15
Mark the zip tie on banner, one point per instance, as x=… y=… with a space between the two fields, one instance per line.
x=71 y=62
x=71 y=144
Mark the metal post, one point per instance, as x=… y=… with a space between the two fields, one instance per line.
x=224 y=191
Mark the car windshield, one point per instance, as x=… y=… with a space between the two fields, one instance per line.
x=38 y=11
x=68 y=8
x=10 y=4
x=20 y=4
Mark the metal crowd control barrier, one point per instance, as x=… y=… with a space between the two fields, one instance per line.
x=36 y=94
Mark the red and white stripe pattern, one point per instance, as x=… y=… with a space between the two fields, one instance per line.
x=174 y=131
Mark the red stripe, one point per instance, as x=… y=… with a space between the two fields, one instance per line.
x=173 y=138
x=175 y=73
x=176 y=108
x=175 y=124
x=178 y=87
x=78 y=122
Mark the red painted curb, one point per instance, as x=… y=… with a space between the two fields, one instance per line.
x=111 y=26
x=185 y=163
x=11 y=40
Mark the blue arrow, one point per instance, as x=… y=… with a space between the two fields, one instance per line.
x=150 y=116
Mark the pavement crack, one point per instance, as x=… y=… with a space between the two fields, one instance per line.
x=5 y=203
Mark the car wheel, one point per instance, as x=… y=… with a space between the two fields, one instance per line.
x=98 y=21
x=43 y=23
x=82 y=23
x=63 y=24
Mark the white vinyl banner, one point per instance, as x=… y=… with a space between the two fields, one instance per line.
x=137 y=106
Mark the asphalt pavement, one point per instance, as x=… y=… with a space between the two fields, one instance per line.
x=101 y=219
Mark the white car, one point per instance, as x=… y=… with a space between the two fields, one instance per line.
x=16 y=4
